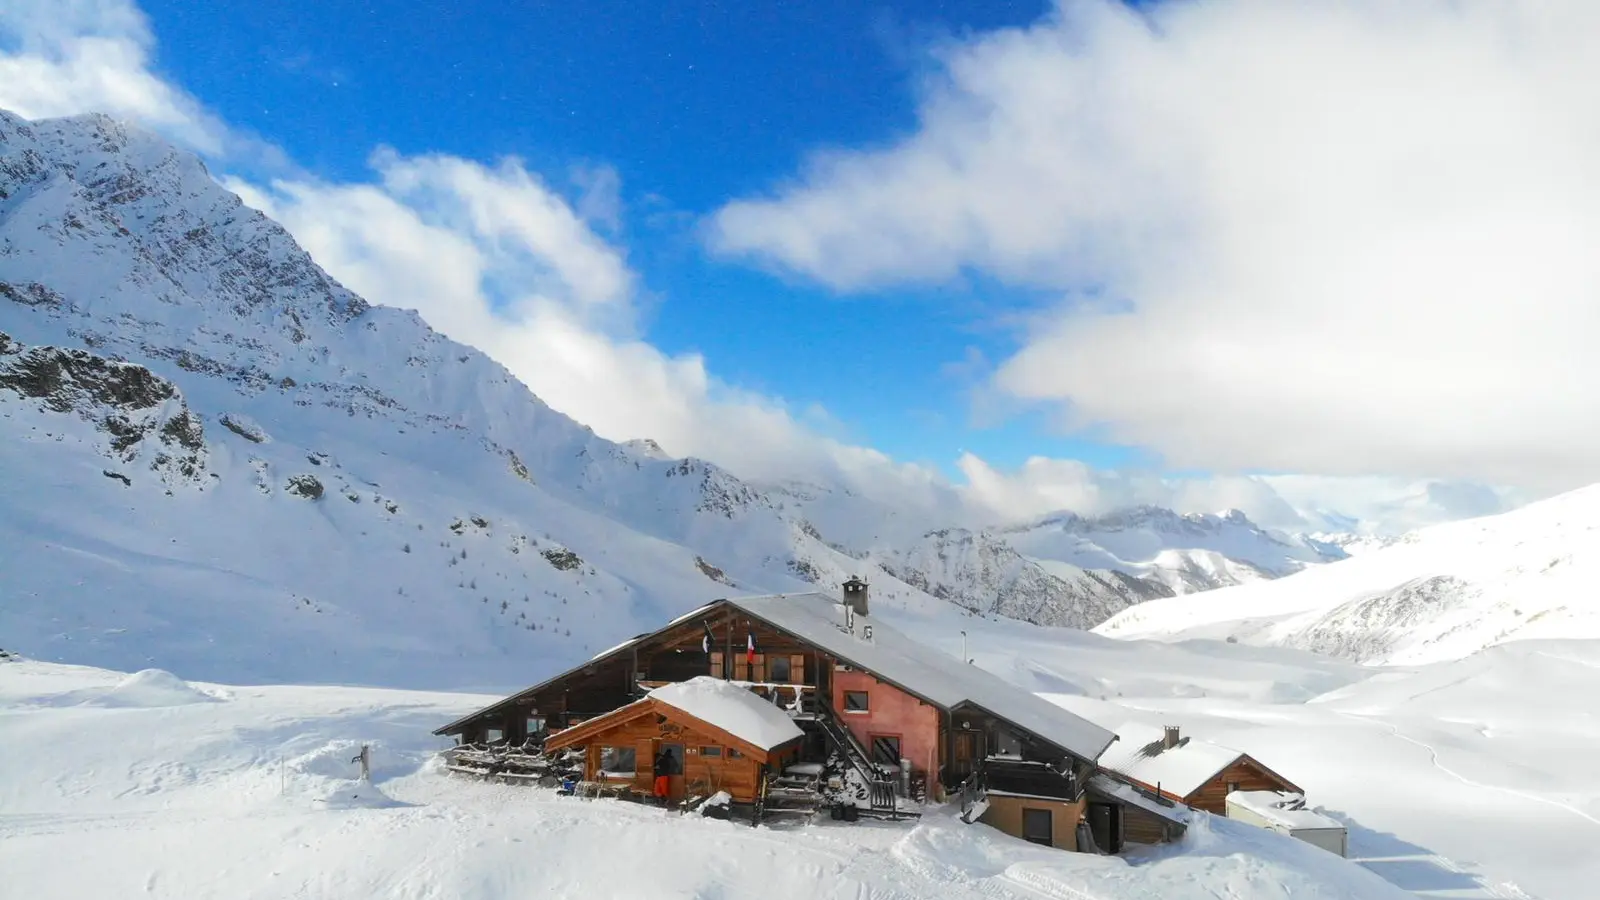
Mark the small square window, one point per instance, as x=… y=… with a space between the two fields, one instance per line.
x=1233 y=786
x=855 y=701
x=734 y=754
x=710 y=751
x=778 y=670
x=617 y=761
x=535 y=724
x=491 y=735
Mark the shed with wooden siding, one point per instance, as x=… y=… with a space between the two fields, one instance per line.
x=720 y=737
x=1197 y=773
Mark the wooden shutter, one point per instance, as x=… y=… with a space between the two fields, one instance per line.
x=758 y=669
x=741 y=668
x=716 y=665
x=797 y=668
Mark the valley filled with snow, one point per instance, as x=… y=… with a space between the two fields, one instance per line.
x=1455 y=781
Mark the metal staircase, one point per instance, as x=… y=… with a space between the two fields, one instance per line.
x=880 y=790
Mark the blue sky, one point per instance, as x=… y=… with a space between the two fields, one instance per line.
x=1246 y=240
x=693 y=104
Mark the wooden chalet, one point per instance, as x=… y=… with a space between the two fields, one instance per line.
x=1196 y=773
x=714 y=737
x=886 y=722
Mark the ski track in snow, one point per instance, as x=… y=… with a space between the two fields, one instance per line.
x=1501 y=891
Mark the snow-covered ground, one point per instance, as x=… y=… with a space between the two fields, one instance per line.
x=1460 y=780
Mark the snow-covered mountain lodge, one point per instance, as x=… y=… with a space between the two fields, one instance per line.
x=883 y=723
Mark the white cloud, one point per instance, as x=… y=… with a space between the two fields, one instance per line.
x=495 y=257
x=73 y=56
x=1346 y=237
x=1295 y=503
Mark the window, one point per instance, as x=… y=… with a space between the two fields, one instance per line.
x=490 y=735
x=855 y=701
x=710 y=751
x=886 y=749
x=1233 y=786
x=1007 y=745
x=779 y=669
x=1036 y=826
x=734 y=754
x=617 y=761
x=535 y=724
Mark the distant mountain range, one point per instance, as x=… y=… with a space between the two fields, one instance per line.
x=212 y=447
x=1439 y=593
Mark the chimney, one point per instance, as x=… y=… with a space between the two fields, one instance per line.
x=1169 y=737
x=855 y=595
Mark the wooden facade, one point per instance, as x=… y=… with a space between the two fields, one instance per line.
x=709 y=759
x=1243 y=774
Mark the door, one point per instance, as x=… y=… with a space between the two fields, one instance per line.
x=968 y=750
x=1105 y=823
x=673 y=765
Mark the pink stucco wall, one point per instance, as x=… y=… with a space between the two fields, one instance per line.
x=890 y=711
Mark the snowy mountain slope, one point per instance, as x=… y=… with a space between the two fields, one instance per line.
x=348 y=456
x=981 y=572
x=1441 y=593
x=355 y=472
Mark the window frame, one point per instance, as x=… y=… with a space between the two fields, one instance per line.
x=866 y=702
x=602 y=772
x=772 y=666
x=712 y=751
x=1050 y=818
x=872 y=749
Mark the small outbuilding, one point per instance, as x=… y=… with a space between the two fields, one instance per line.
x=1194 y=772
x=1285 y=813
x=703 y=735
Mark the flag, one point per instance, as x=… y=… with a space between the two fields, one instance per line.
x=749 y=646
x=705 y=642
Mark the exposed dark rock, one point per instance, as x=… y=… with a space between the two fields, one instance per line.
x=565 y=560
x=246 y=430
x=712 y=572
x=31 y=294
x=306 y=486
x=128 y=482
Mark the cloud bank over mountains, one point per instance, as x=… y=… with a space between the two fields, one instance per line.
x=1341 y=238
x=1227 y=301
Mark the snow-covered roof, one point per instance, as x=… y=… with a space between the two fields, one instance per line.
x=1127 y=793
x=731 y=708
x=1282 y=808
x=929 y=673
x=1180 y=770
